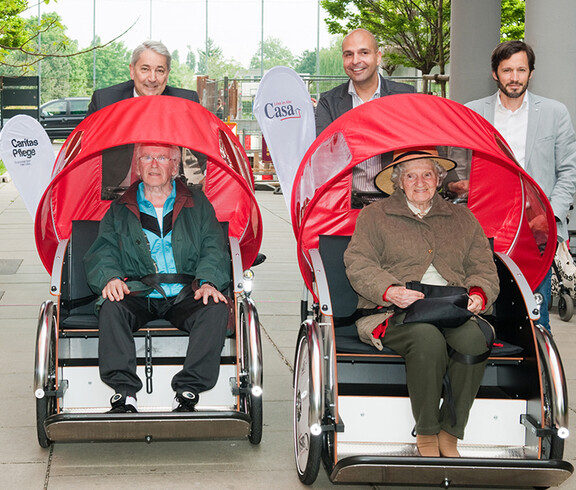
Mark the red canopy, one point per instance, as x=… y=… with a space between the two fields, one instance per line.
x=76 y=190
x=502 y=196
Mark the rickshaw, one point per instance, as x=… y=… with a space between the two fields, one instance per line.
x=93 y=167
x=351 y=407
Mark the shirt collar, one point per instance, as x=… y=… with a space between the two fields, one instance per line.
x=523 y=107
x=417 y=210
x=146 y=205
x=353 y=93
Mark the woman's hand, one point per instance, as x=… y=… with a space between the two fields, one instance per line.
x=115 y=290
x=475 y=303
x=206 y=291
x=402 y=297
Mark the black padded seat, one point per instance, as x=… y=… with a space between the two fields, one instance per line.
x=344 y=304
x=90 y=322
x=77 y=299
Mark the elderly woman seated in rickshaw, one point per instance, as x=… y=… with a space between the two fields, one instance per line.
x=414 y=235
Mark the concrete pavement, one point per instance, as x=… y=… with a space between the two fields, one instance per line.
x=218 y=465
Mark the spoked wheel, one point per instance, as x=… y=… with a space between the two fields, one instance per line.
x=251 y=402
x=552 y=445
x=46 y=405
x=565 y=307
x=307 y=446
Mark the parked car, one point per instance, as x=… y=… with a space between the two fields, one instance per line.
x=59 y=117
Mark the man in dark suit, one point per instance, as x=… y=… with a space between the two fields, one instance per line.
x=361 y=58
x=149 y=70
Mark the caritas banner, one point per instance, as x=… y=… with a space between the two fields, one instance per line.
x=27 y=153
x=285 y=114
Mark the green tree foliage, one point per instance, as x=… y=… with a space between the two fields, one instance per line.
x=513 y=16
x=19 y=38
x=218 y=66
x=61 y=75
x=306 y=63
x=414 y=28
x=111 y=65
x=331 y=59
x=11 y=25
x=408 y=29
x=214 y=52
x=191 y=59
x=275 y=54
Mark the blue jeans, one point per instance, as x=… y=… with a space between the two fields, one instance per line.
x=545 y=289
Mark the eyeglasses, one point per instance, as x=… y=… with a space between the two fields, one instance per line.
x=161 y=159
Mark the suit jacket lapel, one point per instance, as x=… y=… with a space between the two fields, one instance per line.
x=533 y=121
x=345 y=103
x=490 y=108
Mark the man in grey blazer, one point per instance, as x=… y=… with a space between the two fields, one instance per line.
x=149 y=70
x=539 y=131
x=361 y=57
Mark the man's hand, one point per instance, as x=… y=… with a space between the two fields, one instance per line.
x=206 y=291
x=475 y=303
x=115 y=290
x=459 y=187
x=402 y=297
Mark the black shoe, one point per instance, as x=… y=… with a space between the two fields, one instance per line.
x=187 y=401
x=119 y=405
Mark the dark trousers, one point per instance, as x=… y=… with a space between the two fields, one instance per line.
x=205 y=324
x=424 y=347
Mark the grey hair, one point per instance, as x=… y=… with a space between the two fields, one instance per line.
x=399 y=169
x=155 y=46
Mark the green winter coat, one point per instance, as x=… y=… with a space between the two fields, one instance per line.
x=122 y=250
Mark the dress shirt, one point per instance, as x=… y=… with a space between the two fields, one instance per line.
x=513 y=125
x=364 y=173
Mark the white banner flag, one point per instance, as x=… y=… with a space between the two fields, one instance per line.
x=285 y=113
x=27 y=153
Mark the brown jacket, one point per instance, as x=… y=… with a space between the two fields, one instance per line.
x=392 y=246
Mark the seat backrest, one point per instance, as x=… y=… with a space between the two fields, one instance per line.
x=77 y=297
x=344 y=298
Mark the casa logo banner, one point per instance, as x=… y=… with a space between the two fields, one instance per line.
x=27 y=153
x=284 y=111
x=281 y=111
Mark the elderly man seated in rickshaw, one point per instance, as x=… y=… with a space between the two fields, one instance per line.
x=160 y=253
x=414 y=235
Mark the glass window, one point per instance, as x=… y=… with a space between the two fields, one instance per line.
x=57 y=108
x=79 y=106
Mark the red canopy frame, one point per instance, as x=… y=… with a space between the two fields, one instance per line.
x=502 y=196
x=75 y=192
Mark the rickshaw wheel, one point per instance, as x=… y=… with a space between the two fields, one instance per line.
x=565 y=307
x=251 y=403
x=46 y=405
x=552 y=445
x=307 y=446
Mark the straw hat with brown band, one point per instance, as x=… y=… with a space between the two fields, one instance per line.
x=383 y=181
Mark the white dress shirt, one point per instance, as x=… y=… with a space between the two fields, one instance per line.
x=513 y=125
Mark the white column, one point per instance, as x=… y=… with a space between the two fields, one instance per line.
x=551 y=31
x=474 y=33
